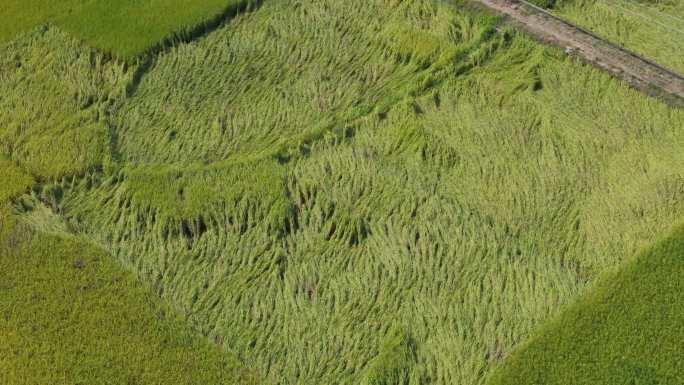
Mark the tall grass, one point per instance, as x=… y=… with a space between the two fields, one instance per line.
x=373 y=191
x=654 y=29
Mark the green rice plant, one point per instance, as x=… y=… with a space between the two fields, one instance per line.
x=410 y=43
x=654 y=29
x=298 y=62
x=126 y=28
x=19 y=16
x=393 y=363
x=302 y=180
x=130 y=28
x=71 y=315
x=15 y=181
x=57 y=94
x=627 y=329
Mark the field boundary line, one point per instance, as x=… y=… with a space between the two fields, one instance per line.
x=604 y=40
x=638 y=71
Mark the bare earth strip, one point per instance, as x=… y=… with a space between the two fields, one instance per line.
x=639 y=72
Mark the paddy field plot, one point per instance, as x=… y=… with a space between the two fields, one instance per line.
x=627 y=329
x=347 y=191
x=125 y=28
x=654 y=29
x=70 y=314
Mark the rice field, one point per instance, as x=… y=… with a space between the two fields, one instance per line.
x=70 y=314
x=653 y=28
x=125 y=28
x=612 y=335
x=88 y=321
x=64 y=134
x=357 y=192
x=19 y=16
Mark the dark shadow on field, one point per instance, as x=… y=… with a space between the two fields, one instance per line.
x=144 y=62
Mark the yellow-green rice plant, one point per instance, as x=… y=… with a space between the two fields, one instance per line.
x=297 y=189
x=56 y=95
x=654 y=29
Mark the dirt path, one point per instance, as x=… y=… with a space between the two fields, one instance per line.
x=639 y=72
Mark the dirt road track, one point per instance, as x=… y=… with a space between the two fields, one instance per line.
x=639 y=72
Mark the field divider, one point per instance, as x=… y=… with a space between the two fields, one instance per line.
x=639 y=72
x=607 y=42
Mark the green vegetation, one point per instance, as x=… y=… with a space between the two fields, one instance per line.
x=372 y=192
x=70 y=315
x=56 y=94
x=127 y=28
x=392 y=365
x=544 y=3
x=17 y=16
x=652 y=28
x=15 y=180
x=131 y=27
x=626 y=330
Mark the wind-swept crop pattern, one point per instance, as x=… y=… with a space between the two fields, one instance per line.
x=56 y=96
x=89 y=321
x=351 y=192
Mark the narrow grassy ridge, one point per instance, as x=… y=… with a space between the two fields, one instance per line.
x=627 y=330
